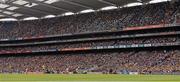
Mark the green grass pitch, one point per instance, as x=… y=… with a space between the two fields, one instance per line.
x=87 y=78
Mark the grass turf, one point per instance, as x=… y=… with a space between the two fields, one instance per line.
x=88 y=77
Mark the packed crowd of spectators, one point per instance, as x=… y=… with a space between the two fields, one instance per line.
x=153 y=14
x=149 y=40
x=162 y=61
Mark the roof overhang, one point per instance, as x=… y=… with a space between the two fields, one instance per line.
x=20 y=9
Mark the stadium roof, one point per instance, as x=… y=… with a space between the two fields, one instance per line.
x=33 y=9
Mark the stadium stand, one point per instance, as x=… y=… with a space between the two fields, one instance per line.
x=154 y=14
x=169 y=39
x=134 y=61
x=142 y=39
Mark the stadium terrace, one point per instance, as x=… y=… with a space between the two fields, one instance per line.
x=141 y=39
